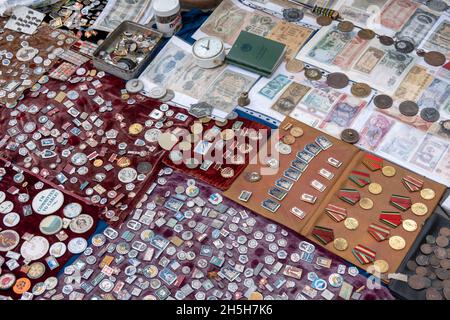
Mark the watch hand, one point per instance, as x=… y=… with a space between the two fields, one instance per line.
x=207 y=46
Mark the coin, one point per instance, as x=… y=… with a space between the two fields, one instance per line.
x=366 y=203
x=288 y=139
x=340 y=244
x=350 y=136
x=411 y=265
x=386 y=41
x=351 y=223
x=434 y=58
x=426 y=248
x=397 y=242
x=337 y=80
x=417 y=282
x=197 y=128
x=444 y=231
x=296 y=132
x=432 y=294
x=422 y=260
x=294 y=66
x=381 y=265
x=375 y=188
x=313 y=73
x=227 y=134
x=419 y=209
x=366 y=34
x=360 y=90
x=388 y=171
x=383 y=101
x=409 y=225
x=408 y=108
x=427 y=194
x=323 y=21
x=442 y=241
x=135 y=128
x=430 y=114
x=255 y=296
x=345 y=26
x=404 y=46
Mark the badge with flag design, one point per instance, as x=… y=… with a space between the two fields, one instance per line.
x=392 y=218
x=412 y=184
x=372 y=162
x=336 y=213
x=360 y=178
x=324 y=235
x=380 y=233
x=364 y=254
x=351 y=196
x=400 y=202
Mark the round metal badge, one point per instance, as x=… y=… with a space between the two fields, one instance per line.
x=48 y=201
x=81 y=224
x=58 y=249
x=36 y=270
x=72 y=210
x=35 y=248
x=127 y=175
x=9 y=239
x=51 y=225
x=77 y=245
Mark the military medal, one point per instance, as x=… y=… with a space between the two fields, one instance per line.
x=391 y=218
x=336 y=213
x=372 y=162
x=324 y=235
x=364 y=254
x=350 y=196
x=380 y=233
x=400 y=202
x=412 y=184
x=360 y=178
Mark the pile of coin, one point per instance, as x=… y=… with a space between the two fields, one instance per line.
x=431 y=266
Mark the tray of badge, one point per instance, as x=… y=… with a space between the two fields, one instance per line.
x=111 y=40
x=400 y=289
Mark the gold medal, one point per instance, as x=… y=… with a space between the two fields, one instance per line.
x=388 y=171
x=366 y=203
x=288 y=139
x=294 y=66
x=427 y=194
x=98 y=163
x=397 y=242
x=340 y=244
x=135 y=129
x=296 y=132
x=409 y=225
x=204 y=119
x=351 y=223
x=375 y=188
x=123 y=162
x=419 y=209
x=381 y=266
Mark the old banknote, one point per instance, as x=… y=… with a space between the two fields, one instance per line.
x=224 y=92
x=415 y=82
x=292 y=35
x=350 y=53
x=290 y=98
x=417 y=26
x=319 y=102
x=117 y=11
x=435 y=95
x=374 y=130
x=401 y=141
x=260 y=24
x=225 y=22
x=165 y=64
x=443 y=167
x=439 y=37
x=361 y=12
x=367 y=62
x=274 y=86
x=396 y=13
x=429 y=153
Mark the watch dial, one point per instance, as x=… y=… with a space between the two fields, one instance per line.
x=208 y=47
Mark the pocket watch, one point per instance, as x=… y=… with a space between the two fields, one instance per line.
x=208 y=52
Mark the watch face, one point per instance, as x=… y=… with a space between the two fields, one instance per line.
x=208 y=47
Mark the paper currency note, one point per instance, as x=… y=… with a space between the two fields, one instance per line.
x=401 y=141
x=224 y=92
x=166 y=63
x=329 y=46
x=319 y=102
x=274 y=86
x=439 y=38
x=396 y=13
x=350 y=53
x=413 y=84
x=430 y=151
x=436 y=130
x=342 y=114
x=443 y=167
x=260 y=24
x=117 y=11
x=417 y=27
x=374 y=130
x=354 y=15
x=292 y=35
x=290 y=98
x=225 y=22
x=361 y=12
x=436 y=95
x=369 y=60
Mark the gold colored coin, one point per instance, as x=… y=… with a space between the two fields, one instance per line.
x=361 y=90
x=381 y=266
x=351 y=223
x=255 y=296
x=135 y=129
x=294 y=66
x=366 y=203
x=427 y=194
x=221 y=123
x=204 y=119
x=196 y=128
x=296 y=132
x=340 y=244
x=409 y=225
x=227 y=134
x=125 y=96
x=397 y=242
x=419 y=209
x=388 y=171
x=375 y=188
x=288 y=139
x=98 y=163
x=123 y=162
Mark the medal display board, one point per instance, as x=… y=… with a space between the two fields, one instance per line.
x=28 y=57
x=92 y=138
x=379 y=190
x=223 y=149
x=41 y=227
